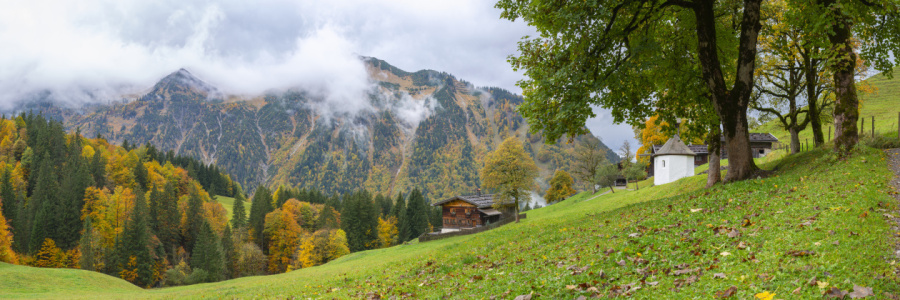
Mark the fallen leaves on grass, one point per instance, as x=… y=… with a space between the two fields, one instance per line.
x=801 y=253
x=765 y=295
x=860 y=292
x=727 y=293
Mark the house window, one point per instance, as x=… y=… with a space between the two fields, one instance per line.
x=761 y=151
x=697 y=158
x=452 y=211
x=663 y=163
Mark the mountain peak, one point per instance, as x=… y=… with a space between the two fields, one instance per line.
x=184 y=82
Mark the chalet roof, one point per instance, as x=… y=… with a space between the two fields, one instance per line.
x=675 y=147
x=698 y=149
x=760 y=137
x=480 y=201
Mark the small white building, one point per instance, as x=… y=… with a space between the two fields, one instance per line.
x=672 y=162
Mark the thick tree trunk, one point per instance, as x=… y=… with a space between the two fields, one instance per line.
x=795 y=140
x=846 y=104
x=812 y=98
x=517 y=209
x=737 y=143
x=715 y=147
x=731 y=105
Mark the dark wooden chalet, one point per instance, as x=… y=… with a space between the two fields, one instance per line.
x=471 y=211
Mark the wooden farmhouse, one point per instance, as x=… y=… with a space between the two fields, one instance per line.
x=464 y=212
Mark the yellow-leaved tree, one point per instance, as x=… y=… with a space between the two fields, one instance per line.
x=510 y=172
x=387 y=232
x=560 y=187
x=6 y=253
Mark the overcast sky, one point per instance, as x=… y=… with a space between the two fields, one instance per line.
x=83 y=51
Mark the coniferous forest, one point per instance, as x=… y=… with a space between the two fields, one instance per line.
x=153 y=219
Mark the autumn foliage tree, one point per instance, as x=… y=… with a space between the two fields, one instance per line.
x=560 y=187
x=510 y=172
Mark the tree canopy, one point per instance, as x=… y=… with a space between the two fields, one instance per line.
x=510 y=172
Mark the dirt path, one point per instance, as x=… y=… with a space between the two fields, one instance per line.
x=894 y=164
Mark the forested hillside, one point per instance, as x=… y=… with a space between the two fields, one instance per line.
x=135 y=213
x=426 y=130
x=69 y=201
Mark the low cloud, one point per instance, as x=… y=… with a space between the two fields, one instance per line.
x=97 y=50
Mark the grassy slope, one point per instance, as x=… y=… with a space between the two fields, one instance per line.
x=842 y=201
x=228 y=203
x=884 y=104
x=22 y=281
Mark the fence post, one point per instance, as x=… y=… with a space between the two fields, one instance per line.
x=898 y=125
x=807 y=144
x=862 y=127
x=873 y=126
x=829 y=131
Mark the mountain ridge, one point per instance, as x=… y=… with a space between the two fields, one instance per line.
x=424 y=129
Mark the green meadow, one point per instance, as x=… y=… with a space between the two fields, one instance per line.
x=814 y=224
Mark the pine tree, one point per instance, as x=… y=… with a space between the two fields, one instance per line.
x=141 y=176
x=399 y=212
x=368 y=214
x=21 y=225
x=261 y=205
x=154 y=202
x=7 y=196
x=194 y=222
x=74 y=183
x=86 y=244
x=98 y=169
x=169 y=220
x=238 y=213
x=6 y=240
x=207 y=254
x=45 y=207
x=417 y=214
x=229 y=253
x=134 y=245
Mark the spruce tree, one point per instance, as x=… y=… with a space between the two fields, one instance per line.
x=135 y=242
x=153 y=203
x=86 y=261
x=207 y=254
x=169 y=220
x=98 y=170
x=229 y=253
x=261 y=205
x=238 y=212
x=8 y=196
x=350 y=222
x=399 y=211
x=194 y=221
x=76 y=180
x=45 y=207
x=21 y=225
x=141 y=176
x=417 y=215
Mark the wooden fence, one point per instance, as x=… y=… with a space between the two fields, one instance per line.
x=805 y=146
x=431 y=236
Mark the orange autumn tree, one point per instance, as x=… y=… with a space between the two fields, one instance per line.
x=6 y=253
x=284 y=234
x=656 y=132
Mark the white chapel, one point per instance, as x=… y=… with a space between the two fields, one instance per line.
x=672 y=162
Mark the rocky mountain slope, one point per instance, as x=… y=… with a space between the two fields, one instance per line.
x=422 y=129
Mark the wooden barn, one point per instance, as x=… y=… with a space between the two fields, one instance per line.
x=462 y=212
